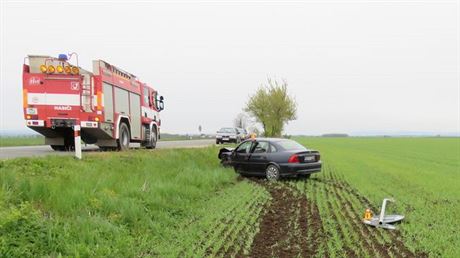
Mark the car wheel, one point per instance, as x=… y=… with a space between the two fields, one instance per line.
x=225 y=161
x=272 y=173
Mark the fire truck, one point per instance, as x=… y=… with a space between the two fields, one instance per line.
x=112 y=107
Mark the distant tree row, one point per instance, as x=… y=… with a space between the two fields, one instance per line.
x=335 y=135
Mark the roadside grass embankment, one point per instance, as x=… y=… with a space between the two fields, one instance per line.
x=138 y=203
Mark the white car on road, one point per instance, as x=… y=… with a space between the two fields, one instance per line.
x=228 y=134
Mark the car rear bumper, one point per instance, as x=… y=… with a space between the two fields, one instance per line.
x=300 y=168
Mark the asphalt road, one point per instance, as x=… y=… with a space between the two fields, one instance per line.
x=43 y=150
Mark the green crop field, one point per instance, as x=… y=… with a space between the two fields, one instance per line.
x=422 y=174
x=21 y=140
x=181 y=203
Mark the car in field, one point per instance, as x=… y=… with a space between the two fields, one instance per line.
x=271 y=157
x=228 y=134
x=242 y=133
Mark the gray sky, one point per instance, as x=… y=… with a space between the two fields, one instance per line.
x=352 y=66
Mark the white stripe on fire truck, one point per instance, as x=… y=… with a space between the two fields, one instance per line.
x=53 y=99
x=150 y=113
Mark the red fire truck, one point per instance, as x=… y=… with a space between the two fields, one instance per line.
x=113 y=107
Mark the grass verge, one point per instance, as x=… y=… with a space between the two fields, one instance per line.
x=136 y=203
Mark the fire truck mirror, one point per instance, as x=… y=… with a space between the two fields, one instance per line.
x=151 y=100
x=161 y=98
x=162 y=104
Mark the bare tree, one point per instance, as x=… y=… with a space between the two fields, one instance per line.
x=241 y=121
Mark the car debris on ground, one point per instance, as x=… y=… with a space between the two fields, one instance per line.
x=382 y=220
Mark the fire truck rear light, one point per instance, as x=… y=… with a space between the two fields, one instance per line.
x=35 y=123
x=59 y=69
x=96 y=119
x=51 y=69
x=28 y=117
x=43 y=68
x=67 y=69
x=88 y=124
x=75 y=70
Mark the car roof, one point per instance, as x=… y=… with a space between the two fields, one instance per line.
x=270 y=139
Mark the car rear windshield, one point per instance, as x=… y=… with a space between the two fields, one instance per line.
x=290 y=145
x=226 y=130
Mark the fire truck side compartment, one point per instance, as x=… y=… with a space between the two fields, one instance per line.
x=121 y=101
x=135 y=112
x=108 y=103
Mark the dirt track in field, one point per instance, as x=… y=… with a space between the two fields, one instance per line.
x=283 y=227
x=292 y=225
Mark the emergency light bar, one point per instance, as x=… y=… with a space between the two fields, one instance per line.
x=59 y=69
x=59 y=65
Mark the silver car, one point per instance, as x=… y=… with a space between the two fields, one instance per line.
x=242 y=133
x=228 y=134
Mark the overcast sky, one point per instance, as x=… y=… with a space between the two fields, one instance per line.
x=352 y=66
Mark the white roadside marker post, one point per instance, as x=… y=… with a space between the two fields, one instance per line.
x=76 y=130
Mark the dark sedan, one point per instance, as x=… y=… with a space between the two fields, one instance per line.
x=272 y=158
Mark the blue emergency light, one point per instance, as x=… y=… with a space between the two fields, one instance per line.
x=62 y=57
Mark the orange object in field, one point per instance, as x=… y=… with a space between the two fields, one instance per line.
x=368 y=214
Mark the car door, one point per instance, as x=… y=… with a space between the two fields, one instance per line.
x=258 y=158
x=241 y=155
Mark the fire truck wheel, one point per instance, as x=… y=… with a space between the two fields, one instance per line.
x=153 y=141
x=123 y=141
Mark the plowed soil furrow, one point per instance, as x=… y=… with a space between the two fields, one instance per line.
x=283 y=230
x=310 y=223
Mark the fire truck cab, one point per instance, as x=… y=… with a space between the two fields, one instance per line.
x=113 y=107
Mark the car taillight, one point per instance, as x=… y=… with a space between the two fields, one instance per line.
x=294 y=159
